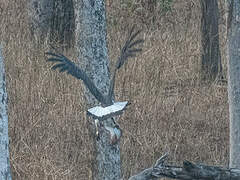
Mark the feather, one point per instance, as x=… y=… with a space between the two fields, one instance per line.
x=64 y=64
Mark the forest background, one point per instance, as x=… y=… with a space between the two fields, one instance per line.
x=172 y=109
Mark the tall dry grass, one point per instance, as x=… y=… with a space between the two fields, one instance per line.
x=171 y=111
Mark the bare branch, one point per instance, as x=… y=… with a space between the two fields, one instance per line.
x=189 y=171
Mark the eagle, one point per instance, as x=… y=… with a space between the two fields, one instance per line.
x=108 y=108
x=63 y=64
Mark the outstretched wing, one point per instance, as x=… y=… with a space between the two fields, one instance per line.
x=127 y=51
x=64 y=64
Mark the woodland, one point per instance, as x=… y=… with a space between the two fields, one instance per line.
x=173 y=109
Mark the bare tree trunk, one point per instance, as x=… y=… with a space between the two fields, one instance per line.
x=233 y=55
x=150 y=5
x=40 y=16
x=5 y=173
x=62 y=25
x=53 y=19
x=92 y=51
x=211 y=58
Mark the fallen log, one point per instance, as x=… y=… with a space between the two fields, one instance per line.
x=188 y=171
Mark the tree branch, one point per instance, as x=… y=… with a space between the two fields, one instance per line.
x=189 y=171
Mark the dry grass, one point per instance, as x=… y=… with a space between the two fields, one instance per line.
x=172 y=110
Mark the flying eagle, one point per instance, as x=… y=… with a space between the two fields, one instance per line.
x=64 y=64
x=108 y=108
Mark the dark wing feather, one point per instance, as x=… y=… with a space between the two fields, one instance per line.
x=58 y=66
x=132 y=36
x=64 y=64
x=127 y=51
x=135 y=43
x=53 y=54
x=112 y=84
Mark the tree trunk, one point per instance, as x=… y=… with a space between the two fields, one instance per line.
x=62 y=25
x=211 y=58
x=150 y=5
x=53 y=19
x=92 y=51
x=233 y=55
x=40 y=15
x=4 y=143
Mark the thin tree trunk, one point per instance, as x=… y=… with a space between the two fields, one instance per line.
x=92 y=51
x=211 y=58
x=150 y=5
x=40 y=17
x=62 y=25
x=53 y=19
x=233 y=55
x=5 y=173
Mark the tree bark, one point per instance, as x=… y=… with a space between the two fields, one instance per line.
x=211 y=66
x=188 y=171
x=233 y=56
x=62 y=25
x=53 y=19
x=92 y=51
x=150 y=5
x=4 y=143
x=40 y=16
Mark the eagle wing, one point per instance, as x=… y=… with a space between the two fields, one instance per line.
x=64 y=64
x=127 y=51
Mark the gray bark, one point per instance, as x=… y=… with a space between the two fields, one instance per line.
x=150 y=5
x=211 y=58
x=40 y=15
x=53 y=19
x=92 y=51
x=5 y=173
x=233 y=55
x=188 y=171
x=62 y=25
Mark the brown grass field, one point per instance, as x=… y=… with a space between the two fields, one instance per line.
x=172 y=110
